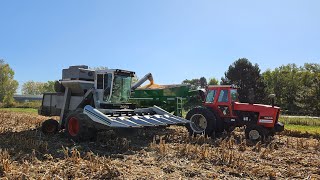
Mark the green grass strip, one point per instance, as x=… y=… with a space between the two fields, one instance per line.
x=302 y=128
x=25 y=110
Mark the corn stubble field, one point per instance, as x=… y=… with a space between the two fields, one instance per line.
x=25 y=153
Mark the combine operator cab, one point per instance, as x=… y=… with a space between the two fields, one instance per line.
x=221 y=111
x=113 y=87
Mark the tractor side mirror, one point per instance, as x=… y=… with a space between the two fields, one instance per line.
x=272 y=97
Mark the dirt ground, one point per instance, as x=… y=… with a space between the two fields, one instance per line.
x=25 y=153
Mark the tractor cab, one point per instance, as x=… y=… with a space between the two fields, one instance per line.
x=113 y=86
x=221 y=98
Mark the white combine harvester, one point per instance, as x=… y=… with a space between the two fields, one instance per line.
x=88 y=101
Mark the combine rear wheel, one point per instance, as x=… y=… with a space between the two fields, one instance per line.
x=77 y=128
x=50 y=126
x=202 y=121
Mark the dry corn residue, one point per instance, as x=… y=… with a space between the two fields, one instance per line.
x=167 y=153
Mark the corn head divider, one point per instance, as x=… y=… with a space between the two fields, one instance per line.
x=88 y=101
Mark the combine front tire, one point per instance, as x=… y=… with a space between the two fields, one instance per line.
x=77 y=129
x=202 y=121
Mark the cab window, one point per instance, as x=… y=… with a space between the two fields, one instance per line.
x=234 y=95
x=100 y=81
x=223 y=97
x=210 y=96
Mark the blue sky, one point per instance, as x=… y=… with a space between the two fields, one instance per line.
x=173 y=39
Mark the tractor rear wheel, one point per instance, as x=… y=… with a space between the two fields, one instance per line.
x=255 y=133
x=202 y=121
x=77 y=129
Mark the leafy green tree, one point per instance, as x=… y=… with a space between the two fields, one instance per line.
x=247 y=76
x=8 y=85
x=32 y=88
x=213 y=81
x=194 y=83
x=48 y=86
x=203 y=82
x=308 y=95
x=297 y=89
x=37 y=88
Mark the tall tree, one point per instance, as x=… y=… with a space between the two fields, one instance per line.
x=49 y=86
x=37 y=88
x=297 y=89
x=194 y=83
x=8 y=85
x=213 y=81
x=247 y=76
x=203 y=82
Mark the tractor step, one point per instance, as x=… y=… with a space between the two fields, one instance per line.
x=155 y=117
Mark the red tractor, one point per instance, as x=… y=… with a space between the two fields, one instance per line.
x=221 y=112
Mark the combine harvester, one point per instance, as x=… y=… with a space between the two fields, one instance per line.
x=88 y=101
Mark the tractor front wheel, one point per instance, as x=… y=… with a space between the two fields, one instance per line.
x=202 y=121
x=255 y=133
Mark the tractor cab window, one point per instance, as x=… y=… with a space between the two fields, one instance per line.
x=210 y=96
x=223 y=97
x=121 y=89
x=234 y=95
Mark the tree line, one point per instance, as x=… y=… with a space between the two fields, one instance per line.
x=297 y=88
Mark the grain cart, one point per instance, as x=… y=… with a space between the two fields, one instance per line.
x=91 y=100
x=172 y=98
x=221 y=111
